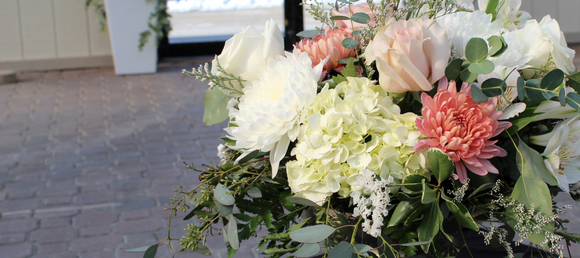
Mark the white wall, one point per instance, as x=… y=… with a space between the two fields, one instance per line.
x=49 y=29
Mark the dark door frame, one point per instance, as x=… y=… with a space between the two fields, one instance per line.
x=294 y=23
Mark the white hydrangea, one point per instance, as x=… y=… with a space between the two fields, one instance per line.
x=349 y=129
x=371 y=201
x=267 y=114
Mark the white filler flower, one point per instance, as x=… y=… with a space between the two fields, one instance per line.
x=266 y=115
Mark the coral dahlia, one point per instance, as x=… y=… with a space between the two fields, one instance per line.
x=461 y=127
x=324 y=45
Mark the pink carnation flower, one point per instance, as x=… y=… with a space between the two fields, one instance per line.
x=328 y=44
x=461 y=127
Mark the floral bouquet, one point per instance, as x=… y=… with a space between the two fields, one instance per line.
x=389 y=132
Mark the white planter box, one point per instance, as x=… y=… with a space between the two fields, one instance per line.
x=126 y=20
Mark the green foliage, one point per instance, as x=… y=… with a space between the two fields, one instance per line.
x=453 y=69
x=477 y=94
x=151 y=251
x=441 y=165
x=312 y=234
x=158 y=23
x=476 y=50
x=215 y=106
x=498 y=46
x=309 y=33
x=361 y=18
x=308 y=250
x=492 y=8
x=429 y=226
x=350 y=43
x=99 y=9
x=342 y=250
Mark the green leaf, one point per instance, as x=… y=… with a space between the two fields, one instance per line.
x=151 y=251
x=350 y=43
x=468 y=76
x=462 y=215
x=228 y=141
x=267 y=217
x=223 y=196
x=243 y=217
x=492 y=8
x=301 y=201
x=562 y=96
x=361 y=18
x=346 y=59
x=482 y=67
x=528 y=191
x=233 y=233
x=429 y=195
x=531 y=164
x=249 y=157
x=453 y=69
x=202 y=249
x=277 y=236
x=277 y=250
x=574 y=81
x=533 y=90
x=255 y=192
x=224 y=210
x=403 y=210
x=360 y=248
x=339 y=18
x=384 y=248
x=493 y=87
x=308 y=250
x=441 y=165
x=521 y=89
x=312 y=234
x=520 y=122
x=349 y=70
x=475 y=50
x=137 y=250
x=413 y=182
x=498 y=46
x=215 y=103
x=342 y=250
x=308 y=33
x=573 y=99
x=416 y=243
x=477 y=94
x=430 y=225
x=552 y=80
x=254 y=223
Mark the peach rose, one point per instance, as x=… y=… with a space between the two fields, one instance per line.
x=347 y=25
x=410 y=55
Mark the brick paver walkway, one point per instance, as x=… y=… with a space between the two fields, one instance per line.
x=89 y=159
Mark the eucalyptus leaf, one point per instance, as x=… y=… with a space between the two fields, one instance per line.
x=441 y=165
x=468 y=76
x=552 y=80
x=475 y=50
x=493 y=87
x=453 y=69
x=202 y=249
x=215 y=103
x=498 y=46
x=223 y=196
x=574 y=81
x=308 y=250
x=482 y=67
x=573 y=99
x=533 y=91
x=254 y=192
x=360 y=248
x=350 y=43
x=312 y=234
x=361 y=18
x=233 y=232
x=429 y=195
x=301 y=201
x=309 y=33
x=521 y=89
x=416 y=243
x=339 y=18
x=562 y=96
x=477 y=94
x=342 y=250
x=249 y=157
x=137 y=250
x=346 y=60
x=151 y=251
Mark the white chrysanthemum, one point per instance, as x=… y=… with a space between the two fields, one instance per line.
x=266 y=115
x=352 y=128
x=462 y=26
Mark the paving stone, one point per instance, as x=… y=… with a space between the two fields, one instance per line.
x=96 y=243
x=11 y=238
x=53 y=201
x=51 y=248
x=135 y=204
x=21 y=204
x=95 y=230
x=140 y=238
x=16 y=250
x=55 y=222
x=136 y=226
x=125 y=185
x=94 y=197
x=95 y=218
x=99 y=254
x=137 y=214
x=53 y=235
x=58 y=190
x=57 y=255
